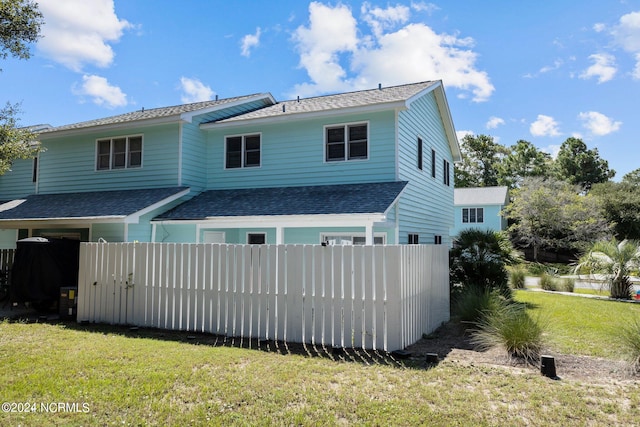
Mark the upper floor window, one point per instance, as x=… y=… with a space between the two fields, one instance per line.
x=242 y=151
x=346 y=142
x=446 y=171
x=119 y=153
x=433 y=163
x=474 y=215
x=420 y=153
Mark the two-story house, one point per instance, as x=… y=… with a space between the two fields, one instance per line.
x=365 y=167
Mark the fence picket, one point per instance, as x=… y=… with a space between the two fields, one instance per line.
x=377 y=297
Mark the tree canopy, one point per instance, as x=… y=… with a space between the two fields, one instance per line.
x=481 y=157
x=20 y=22
x=581 y=166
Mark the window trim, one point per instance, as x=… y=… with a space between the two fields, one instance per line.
x=347 y=234
x=346 y=127
x=446 y=170
x=475 y=215
x=256 y=233
x=127 y=152
x=413 y=238
x=243 y=152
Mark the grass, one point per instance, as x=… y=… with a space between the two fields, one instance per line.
x=149 y=378
x=583 y=326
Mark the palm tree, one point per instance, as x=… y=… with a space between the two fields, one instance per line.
x=616 y=260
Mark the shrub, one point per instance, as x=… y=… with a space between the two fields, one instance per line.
x=630 y=335
x=517 y=277
x=471 y=305
x=548 y=282
x=568 y=284
x=510 y=327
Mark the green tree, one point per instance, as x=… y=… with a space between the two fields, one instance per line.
x=20 y=22
x=620 y=206
x=632 y=178
x=524 y=160
x=551 y=214
x=479 y=166
x=578 y=165
x=616 y=260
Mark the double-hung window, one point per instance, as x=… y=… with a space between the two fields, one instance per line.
x=346 y=142
x=472 y=215
x=119 y=153
x=446 y=172
x=242 y=151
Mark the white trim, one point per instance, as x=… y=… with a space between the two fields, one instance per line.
x=127 y=152
x=346 y=126
x=211 y=232
x=135 y=217
x=243 y=136
x=287 y=117
x=125 y=234
x=287 y=221
x=256 y=233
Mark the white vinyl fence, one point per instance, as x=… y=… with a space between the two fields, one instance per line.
x=374 y=297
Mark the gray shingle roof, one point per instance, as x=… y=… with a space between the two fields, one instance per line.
x=87 y=205
x=148 y=114
x=480 y=196
x=356 y=99
x=310 y=200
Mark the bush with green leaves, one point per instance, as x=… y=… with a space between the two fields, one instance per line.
x=509 y=326
x=478 y=260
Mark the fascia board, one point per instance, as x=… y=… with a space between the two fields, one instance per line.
x=135 y=217
x=110 y=127
x=286 y=221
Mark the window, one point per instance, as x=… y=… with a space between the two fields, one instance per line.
x=437 y=240
x=242 y=151
x=433 y=163
x=413 y=239
x=420 y=153
x=119 y=153
x=34 y=172
x=346 y=142
x=256 y=238
x=445 y=171
x=472 y=215
x=351 y=239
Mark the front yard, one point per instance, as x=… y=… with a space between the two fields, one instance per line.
x=117 y=376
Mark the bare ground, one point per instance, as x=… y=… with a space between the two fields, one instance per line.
x=452 y=343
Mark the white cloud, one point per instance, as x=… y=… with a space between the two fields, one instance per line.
x=552 y=150
x=462 y=133
x=556 y=64
x=603 y=68
x=424 y=7
x=494 y=122
x=194 y=90
x=339 y=56
x=101 y=92
x=599 y=27
x=598 y=123
x=78 y=32
x=627 y=35
x=250 y=41
x=544 y=126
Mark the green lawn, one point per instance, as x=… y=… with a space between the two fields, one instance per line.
x=579 y=325
x=121 y=377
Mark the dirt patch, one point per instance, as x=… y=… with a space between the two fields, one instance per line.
x=452 y=343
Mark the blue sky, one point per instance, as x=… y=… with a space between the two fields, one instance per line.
x=538 y=71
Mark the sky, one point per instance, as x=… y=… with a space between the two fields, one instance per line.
x=541 y=71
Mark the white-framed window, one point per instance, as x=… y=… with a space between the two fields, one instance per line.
x=122 y=152
x=446 y=171
x=413 y=239
x=472 y=215
x=256 y=238
x=346 y=142
x=214 y=237
x=351 y=238
x=242 y=151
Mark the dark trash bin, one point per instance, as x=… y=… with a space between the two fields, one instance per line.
x=40 y=268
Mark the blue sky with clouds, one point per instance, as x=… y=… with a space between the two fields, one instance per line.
x=539 y=71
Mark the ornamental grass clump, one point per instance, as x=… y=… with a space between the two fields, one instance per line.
x=517 y=278
x=630 y=335
x=472 y=305
x=510 y=327
x=548 y=282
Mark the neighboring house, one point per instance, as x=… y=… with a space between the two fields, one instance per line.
x=366 y=167
x=481 y=208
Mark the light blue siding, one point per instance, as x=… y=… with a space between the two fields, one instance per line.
x=69 y=164
x=293 y=155
x=18 y=182
x=108 y=232
x=492 y=219
x=8 y=239
x=426 y=205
